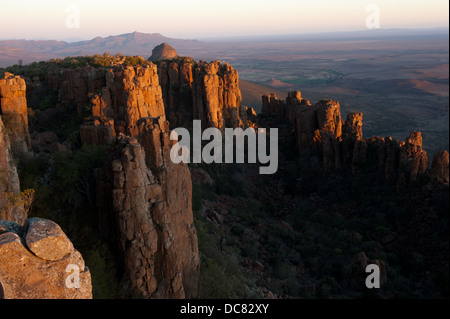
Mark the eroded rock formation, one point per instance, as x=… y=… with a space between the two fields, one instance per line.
x=130 y=93
x=14 y=143
x=38 y=261
x=320 y=131
x=9 y=181
x=13 y=109
x=440 y=166
x=150 y=209
x=205 y=91
x=74 y=84
x=33 y=257
x=144 y=199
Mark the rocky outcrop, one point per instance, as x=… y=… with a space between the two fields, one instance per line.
x=440 y=166
x=38 y=261
x=150 y=212
x=284 y=109
x=74 y=85
x=318 y=128
x=9 y=181
x=13 y=109
x=179 y=268
x=33 y=257
x=182 y=89
x=130 y=93
x=413 y=160
x=320 y=131
x=205 y=91
x=14 y=143
x=163 y=52
x=144 y=199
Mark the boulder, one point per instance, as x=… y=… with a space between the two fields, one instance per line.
x=52 y=269
x=163 y=51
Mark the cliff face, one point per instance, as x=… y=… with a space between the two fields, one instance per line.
x=205 y=91
x=182 y=89
x=33 y=257
x=38 y=261
x=9 y=180
x=73 y=85
x=150 y=209
x=13 y=109
x=143 y=198
x=130 y=93
x=320 y=131
x=14 y=143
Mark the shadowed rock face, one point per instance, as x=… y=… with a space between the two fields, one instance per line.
x=440 y=166
x=320 y=131
x=37 y=261
x=73 y=85
x=163 y=52
x=151 y=211
x=9 y=179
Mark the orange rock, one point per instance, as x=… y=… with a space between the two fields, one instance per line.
x=51 y=269
x=205 y=91
x=13 y=109
x=152 y=212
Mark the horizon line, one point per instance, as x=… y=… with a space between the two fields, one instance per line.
x=231 y=37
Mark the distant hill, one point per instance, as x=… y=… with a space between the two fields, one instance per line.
x=135 y=43
x=163 y=51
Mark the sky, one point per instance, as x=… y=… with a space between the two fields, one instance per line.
x=196 y=19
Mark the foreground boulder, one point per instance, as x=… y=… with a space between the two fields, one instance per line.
x=38 y=261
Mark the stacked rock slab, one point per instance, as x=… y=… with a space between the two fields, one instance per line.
x=205 y=91
x=320 y=131
x=38 y=261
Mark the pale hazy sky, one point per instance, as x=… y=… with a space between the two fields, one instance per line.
x=46 y=19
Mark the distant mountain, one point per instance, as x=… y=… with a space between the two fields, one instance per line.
x=135 y=43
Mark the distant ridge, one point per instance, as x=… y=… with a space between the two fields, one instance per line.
x=136 y=43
